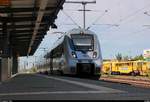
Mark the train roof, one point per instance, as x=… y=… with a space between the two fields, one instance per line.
x=72 y=31
x=56 y=43
x=79 y=31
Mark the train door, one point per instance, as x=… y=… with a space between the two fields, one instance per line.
x=144 y=68
x=139 y=67
x=114 y=68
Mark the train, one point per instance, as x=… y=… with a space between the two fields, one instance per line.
x=133 y=68
x=76 y=52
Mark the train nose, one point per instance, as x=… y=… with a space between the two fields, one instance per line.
x=85 y=68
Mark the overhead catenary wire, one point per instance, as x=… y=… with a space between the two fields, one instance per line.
x=110 y=25
x=70 y=18
x=146 y=13
x=72 y=10
x=132 y=14
x=103 y=14
x=141 y=30
x=84 y=3
x=124 y=20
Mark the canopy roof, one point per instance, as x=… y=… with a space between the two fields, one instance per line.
x=25 y=22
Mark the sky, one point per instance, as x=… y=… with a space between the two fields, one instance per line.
x=121 y=26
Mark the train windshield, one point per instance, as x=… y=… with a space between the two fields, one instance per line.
x=83 y=42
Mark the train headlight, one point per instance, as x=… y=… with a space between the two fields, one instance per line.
x=94 y=54
x=74 y=55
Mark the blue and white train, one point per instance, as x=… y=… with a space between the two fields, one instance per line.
x=77 y=52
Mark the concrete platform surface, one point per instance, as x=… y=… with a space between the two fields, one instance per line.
x=42 y=87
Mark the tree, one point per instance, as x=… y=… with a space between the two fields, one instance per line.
x=126 y=58
x=119 y=56
x=139 y=57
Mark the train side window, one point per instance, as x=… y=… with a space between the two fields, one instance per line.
x=58 y=51
x=62 y=49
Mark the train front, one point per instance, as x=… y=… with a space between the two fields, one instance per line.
x=85 y=53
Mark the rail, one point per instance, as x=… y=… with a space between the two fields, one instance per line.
x=135 y=81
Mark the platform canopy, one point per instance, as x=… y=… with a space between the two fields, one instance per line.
x=25 y=22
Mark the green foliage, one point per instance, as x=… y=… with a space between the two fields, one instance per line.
x=140 y=57
x=127 y=58
x=119 y=56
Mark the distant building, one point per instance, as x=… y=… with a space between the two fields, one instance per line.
x=146 y=54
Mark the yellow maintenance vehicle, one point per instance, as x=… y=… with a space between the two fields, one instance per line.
x=126 y=67
x=106 y=67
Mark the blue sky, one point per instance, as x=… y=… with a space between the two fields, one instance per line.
x=130 y=37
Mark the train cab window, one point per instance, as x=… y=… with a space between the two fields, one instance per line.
x=71 y=43
x=83 y=42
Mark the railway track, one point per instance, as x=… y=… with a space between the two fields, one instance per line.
x=140 y=82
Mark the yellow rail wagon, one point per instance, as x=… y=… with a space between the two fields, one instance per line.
x=126 y=67
x=106 y=67
x=148 y=72
x=123 y=67
x=141 y=66
x=148 y=65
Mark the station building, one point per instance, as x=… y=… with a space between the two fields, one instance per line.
x=146 y=54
